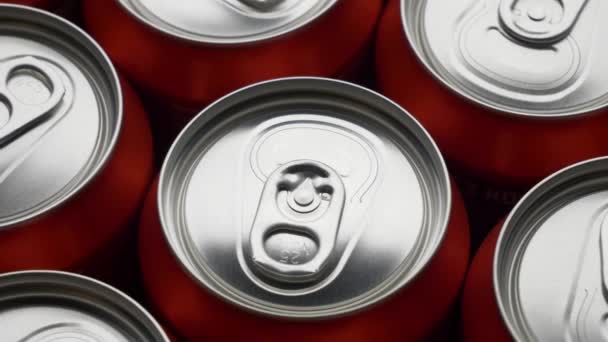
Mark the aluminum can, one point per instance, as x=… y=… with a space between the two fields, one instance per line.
x=512 y=91
x=75 y=146
x=540 y=276
x=45 y=306
x=306 y=209
x=185 y=57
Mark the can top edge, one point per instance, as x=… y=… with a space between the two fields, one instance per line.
x=40 y=303
x=227 y=22
x=309 y=114
x=537 y=79
x=52 y=70
x=555 y=235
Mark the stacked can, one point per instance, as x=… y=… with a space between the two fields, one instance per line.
x=52 y=306
x=75 y=147
x=542 y=275
x=185 y=57
x=304 y=209
x=511 y=90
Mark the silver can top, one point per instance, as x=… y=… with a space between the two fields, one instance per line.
x=550 y=267
x=45 y=306
x=60 y=112
x=227 y=21
x=304 y=198
x=542 y=58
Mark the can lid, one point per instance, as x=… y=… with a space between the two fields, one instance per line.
x=550 y=270
x=533 y=58
x=45 y=306
x=227 y=21
x=304 y=198
x=60 y=112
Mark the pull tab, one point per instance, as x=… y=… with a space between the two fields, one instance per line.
x=262 y=5
x=542 y=23
x=29 y=91
x=297 y=222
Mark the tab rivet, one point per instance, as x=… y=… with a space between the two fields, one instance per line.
x=262 y=4
x=304 y=194
x=551 y=31
x=537 y=14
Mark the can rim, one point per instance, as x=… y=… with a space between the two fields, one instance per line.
x=494 y=109
x=219 y=42
x=359 y=304
x=532 y=195
x=113 y=81
x=86 y=283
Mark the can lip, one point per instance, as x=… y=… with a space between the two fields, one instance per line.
x=108 y=298
x=492 y=108
x=357 y=305
x=70 y=29
x=544 y=188
x=167 y=32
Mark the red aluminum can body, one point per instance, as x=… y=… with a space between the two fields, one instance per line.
x=45 y=4
x=519 y=289
x=68 y=9
x=191 y=75
x=498 y=147
x=486 y=203
x=481 y=319
x=495 y=156
x=69 y=237
x=412 y=314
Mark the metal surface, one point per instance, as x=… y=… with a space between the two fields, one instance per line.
x=550 y=262
x=537 y=23
x=60 y=112
x=343 y=195
x=301 y=201
x=41 y=306
x=24 y=106
x=227 y=21
x=540 y=58
x=262 y=5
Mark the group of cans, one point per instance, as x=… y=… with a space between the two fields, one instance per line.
x=293 y=202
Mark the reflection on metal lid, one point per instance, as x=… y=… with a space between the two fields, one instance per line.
x=526 y=57
x=60 y=112
x=227 y=21
x=45 y=306
x=304 y=198
x=550 y=262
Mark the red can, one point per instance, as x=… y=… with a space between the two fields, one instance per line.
x=46 y=4
x=75 y=146
x=65 y=8
x=304 y=209
x=540 y=275
x=187 y=56
x=58 y=306
x=515 y=123
x=507 y=104
x=486 y=202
